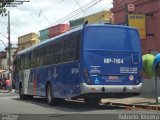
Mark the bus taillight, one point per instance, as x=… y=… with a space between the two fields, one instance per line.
x=86 y=73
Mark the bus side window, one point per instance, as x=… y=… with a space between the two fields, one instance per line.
x=18 y=63
x=41 y=56
x=29 y=60
x=38 y=58
x=77 y=53
x=33 y=58
x=48 y=55
x=22 y=59
x=58 y=52
x=53 y=54
x=69 y=49
x=26 y=61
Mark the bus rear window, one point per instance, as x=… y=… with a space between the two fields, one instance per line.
x=112 y=38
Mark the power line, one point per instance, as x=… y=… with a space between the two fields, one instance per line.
x=104 y=6
x=80 y=7
x=77 y=12
x=58 y=3
x=41 y=13
x=11 y=30
x=89 y=7
x=3 y=35
x=73 y=13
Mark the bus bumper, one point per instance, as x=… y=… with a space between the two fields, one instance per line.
x=85 y=89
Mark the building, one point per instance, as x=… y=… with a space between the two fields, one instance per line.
x=151 y=11
x=44 y=34
x=100 y=17
x=2 y=57
x=53 y=31
x=4 y=61
x=27 y=41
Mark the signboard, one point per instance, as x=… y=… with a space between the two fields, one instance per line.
x=138 y=21
x=131 y=7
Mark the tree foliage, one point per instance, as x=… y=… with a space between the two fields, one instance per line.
x=3 y=11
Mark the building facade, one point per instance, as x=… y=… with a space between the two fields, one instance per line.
x=3 y=66
x=4 y=61
x=151 y=10
x=27 y=41
x=100 y=17
x=53 y=31
x=44 y=34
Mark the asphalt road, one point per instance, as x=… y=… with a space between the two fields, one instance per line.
x=37 y=107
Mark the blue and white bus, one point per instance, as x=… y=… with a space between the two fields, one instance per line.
x=90 y=62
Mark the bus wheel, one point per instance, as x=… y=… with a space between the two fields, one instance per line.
x=49 y=96
x=22 y=96
x=92 y=101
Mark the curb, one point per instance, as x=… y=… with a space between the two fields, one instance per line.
x=136 y=106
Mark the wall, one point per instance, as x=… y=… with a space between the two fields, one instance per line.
x=44 y=34
x=147 y=7
x=100 y=17
x=149 y=87
x=58 y=29
x=27 y=40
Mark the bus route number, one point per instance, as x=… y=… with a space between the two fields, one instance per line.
x=113 y=60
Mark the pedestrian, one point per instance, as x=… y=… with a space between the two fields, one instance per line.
x=8 y=84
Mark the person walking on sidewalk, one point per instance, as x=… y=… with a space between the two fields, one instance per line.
x=8 y=84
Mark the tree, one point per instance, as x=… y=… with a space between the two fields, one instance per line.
x=3 y=11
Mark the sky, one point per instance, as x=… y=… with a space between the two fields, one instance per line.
x=36 y=15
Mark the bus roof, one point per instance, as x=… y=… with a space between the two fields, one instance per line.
x=49 y=40
x=69 y=32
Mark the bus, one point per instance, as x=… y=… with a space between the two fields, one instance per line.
x=90 y=62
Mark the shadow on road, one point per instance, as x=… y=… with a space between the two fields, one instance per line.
x=70 y=106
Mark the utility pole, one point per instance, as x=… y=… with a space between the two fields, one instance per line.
x=9 y=46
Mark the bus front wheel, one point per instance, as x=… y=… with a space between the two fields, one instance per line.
x=92 y=101
x=23 y=96
x=49 y=95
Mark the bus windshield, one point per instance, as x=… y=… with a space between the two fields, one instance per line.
x=114 y=38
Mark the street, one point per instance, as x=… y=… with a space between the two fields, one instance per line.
x=11 y=104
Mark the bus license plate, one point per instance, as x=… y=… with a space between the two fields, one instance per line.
x=113 y=77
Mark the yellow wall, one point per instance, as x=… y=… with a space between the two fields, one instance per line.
x=27 y=41
x=138 y=21
x=100 y=17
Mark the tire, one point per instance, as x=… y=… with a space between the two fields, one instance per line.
x=22 y=96
x=92 y=101
x=50 y=98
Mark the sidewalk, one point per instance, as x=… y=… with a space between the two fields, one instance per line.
x=137 y=101
x=6 y=92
